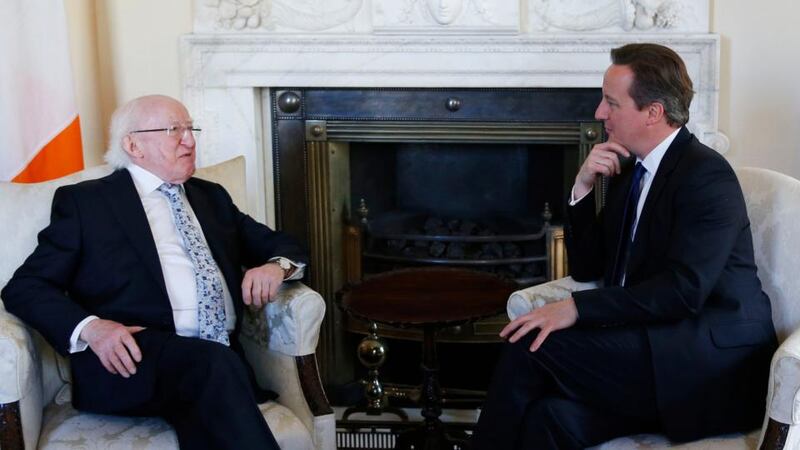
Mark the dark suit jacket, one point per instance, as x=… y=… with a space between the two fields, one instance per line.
x=98 y=257
x=691 y=282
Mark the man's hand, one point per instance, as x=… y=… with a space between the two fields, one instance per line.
x=260 y=284
x=113 y=343
x=550 y=317
x=602 y=160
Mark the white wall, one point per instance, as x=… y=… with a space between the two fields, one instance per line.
x=123 y=49
x=760 y=86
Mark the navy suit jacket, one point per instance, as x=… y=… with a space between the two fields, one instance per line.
x=691 y=284
x=98 y=257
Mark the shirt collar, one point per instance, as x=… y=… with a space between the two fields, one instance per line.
x=146 y=182
x=653 y=159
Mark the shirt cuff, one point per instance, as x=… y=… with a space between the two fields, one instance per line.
x=574 y=201
x=299 y=268
x=76 y=344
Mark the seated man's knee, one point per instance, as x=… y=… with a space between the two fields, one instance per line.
x=209 y=363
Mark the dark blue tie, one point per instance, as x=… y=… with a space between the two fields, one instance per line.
x=628 y=219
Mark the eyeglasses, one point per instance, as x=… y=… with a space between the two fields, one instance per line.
x=174 y=131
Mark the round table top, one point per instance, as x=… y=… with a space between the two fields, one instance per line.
x=427 y=296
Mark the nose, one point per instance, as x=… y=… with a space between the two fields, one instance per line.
x=187 y=139
x=601 y=113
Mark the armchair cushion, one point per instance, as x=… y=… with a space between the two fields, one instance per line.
x=66 y=428
x=657 y=442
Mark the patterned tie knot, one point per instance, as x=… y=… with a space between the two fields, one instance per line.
x=169 y=189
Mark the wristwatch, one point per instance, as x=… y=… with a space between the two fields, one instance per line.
x=284 y=264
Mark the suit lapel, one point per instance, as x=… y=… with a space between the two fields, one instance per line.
x=126 y=205
x=665 y=169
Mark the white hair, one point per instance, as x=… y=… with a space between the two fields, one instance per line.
x=121 y=124
x=124 y=120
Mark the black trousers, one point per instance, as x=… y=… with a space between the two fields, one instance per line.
x=581 y=388
x=201 y=388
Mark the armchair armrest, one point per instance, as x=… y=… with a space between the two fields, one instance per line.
x=782 y=424
x=20 y=385
x=289 y=325
x=526 y=300
x=280 y=342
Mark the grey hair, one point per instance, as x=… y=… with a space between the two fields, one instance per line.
x=122 y=122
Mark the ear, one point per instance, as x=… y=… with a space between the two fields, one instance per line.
x=655 y=113
x=130 y=147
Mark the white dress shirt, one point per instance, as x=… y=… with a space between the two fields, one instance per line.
x=175 y=263
x=650 y=163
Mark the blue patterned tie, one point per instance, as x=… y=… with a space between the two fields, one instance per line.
x=628 y=219
x=211 y=303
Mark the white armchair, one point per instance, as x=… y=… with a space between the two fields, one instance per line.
x=773 y=204
x=35 y=408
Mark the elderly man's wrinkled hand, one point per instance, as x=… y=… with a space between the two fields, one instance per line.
x=114 y=345
x=260 y=284
x=548 y=318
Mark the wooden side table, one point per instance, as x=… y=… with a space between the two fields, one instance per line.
x=430 y=298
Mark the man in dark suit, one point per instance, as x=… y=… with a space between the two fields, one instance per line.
x=678 y=341
x=144 y=267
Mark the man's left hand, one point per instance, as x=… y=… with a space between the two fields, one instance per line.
x=260 y=284
x=550 y=317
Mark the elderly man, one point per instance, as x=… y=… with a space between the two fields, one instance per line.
x=144 y=267
x=679 y=339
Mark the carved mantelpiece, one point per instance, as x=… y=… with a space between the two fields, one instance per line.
x=227 y=76
x=449 y=16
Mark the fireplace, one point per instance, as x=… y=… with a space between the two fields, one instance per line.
x=380 y=179
x=239 y=60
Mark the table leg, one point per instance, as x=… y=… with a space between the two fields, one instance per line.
x=431 y=391
x=432 y=435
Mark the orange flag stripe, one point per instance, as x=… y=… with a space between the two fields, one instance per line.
x=61 y=156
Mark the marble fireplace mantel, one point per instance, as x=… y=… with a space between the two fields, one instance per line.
x=242 y=48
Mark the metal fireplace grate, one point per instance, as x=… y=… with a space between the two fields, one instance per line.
x=379 y=435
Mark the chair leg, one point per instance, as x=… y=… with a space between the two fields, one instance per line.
x=11 y=427
x=775 y=436
x=311 y=385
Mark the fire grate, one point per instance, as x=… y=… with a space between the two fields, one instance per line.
x=380 y=435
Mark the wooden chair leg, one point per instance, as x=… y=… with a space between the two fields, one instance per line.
x=11 y=427
x=311 y=385
x=775 y=436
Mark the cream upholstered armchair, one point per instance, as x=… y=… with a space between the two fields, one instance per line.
x=35 y=408
x=773 y=204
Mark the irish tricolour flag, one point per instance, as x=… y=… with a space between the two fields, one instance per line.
x=40 y=136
